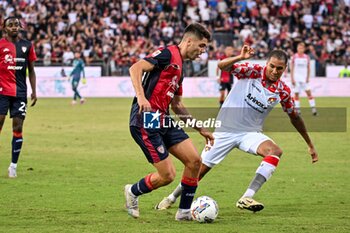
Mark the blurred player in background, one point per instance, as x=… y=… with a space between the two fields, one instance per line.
x=157 y=80
x=300 y=76
x=75 y=75
x=257 y=91
x=16 y=56
x=225 y=78
x=344 y=72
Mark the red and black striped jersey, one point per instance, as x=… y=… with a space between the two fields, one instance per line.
x=14 y=60
x=162 y=83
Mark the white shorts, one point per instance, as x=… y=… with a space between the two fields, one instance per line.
x=301 y=86
x=225 y=142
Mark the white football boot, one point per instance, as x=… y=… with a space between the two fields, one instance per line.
x=166 y=203
x=132 y=202
x=12 y=171
x=248 y=203
x=183 y=215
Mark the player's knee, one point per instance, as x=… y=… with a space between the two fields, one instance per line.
x=168 y=177
x=277 y=152
x=17 y=128
x=194 y=164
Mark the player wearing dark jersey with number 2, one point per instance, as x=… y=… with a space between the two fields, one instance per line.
x=16 y=56
x=162 y=86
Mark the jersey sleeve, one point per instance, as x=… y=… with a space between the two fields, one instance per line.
x=32 y=55
x=160 y=58
x=246 y=70
x=287 y=102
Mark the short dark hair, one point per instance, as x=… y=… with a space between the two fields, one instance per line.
x=198 y=30
x=12 y=17
x=279 y=54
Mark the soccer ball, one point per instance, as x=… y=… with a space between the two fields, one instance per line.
x=204 y=209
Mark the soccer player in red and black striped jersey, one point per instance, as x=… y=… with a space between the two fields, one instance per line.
x=162 y=86
x=16 y=56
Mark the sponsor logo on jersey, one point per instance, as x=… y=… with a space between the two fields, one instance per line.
x=15 y=67
x=18 y=59
x=169 y=93
x=156 y=53
x=8 y=58
x=173 y=82
x=24 y=49
x=255 y=101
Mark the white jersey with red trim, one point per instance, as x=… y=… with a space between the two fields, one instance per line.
x=249 y=102
x=300 y=67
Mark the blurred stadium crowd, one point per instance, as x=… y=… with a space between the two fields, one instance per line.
x=116 y=33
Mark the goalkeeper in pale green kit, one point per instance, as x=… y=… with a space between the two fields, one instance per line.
x=345 y=72
x=75 y=75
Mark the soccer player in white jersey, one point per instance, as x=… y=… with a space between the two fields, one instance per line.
x=300 y=75
x=242 y=115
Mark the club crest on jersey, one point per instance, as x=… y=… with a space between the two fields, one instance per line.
x=24 y=49
x=271 y=100
x=160 y=149
x=156 y=53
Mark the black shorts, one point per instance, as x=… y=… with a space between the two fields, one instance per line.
x=225 y=86
x=16 y=105
x=155 y=142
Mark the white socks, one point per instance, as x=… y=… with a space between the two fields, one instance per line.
x=176 y=193
x=312 y=103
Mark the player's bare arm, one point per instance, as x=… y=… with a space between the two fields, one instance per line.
x=179 y=108
x=308 y=72
x=299 y=125
x=246 y=53
x=136 y=71
x=218 y=73
x=292 y=73
x=32 y=80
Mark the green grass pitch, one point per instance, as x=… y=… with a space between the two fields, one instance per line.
x=76 y=160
